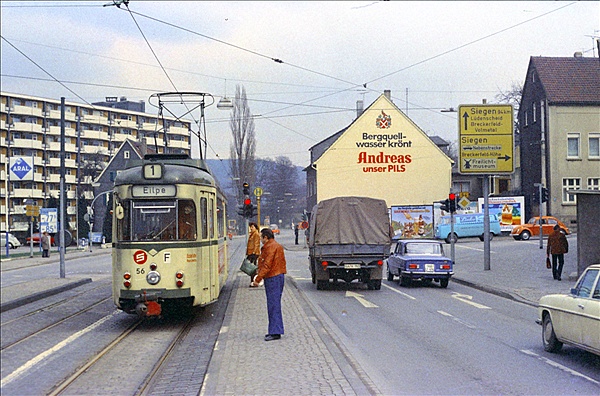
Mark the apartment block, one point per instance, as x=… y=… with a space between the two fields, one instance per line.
x=30 y=127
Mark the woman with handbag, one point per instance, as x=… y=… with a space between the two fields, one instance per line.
x=253 y=247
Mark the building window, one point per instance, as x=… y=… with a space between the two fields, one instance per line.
x=594 y=146
x=533 y=113
x=593 y=183
x=126 y=154
x=573 y=145
x=570 y=184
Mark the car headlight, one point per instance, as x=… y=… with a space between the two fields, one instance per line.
x=153 y=277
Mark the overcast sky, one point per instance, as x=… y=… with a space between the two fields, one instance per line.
x=431 y=55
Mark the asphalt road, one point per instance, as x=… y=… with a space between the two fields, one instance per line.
x=429 y=340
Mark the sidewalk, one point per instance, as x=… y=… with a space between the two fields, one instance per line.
x=309 y=359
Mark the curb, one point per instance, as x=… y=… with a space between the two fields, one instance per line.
x=43 y=294
x=492 y=290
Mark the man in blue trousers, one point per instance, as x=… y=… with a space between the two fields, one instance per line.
x=272 y=268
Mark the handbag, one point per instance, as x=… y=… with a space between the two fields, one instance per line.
x=548 y=264
x=248 y=267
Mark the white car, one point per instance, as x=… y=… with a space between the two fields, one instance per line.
x=13 y=242
x=573 y=318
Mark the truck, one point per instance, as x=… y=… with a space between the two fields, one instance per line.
x=349 y=239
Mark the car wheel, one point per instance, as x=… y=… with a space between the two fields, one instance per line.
x=390 y=275
x=525 y=235
x=10 y=245
x=517 y=237
x=482 y=236
x=551 y=343
x=444 y=283
x=451 y=237
x=405 y=281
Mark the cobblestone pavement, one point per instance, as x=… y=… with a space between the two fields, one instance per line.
x=306 y=361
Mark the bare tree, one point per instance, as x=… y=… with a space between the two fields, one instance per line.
x=243 y=146
x=513 y=97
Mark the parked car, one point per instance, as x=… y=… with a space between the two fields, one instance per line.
x=532 y=228
x=419 y=259
x=13 y=242
x=36 y=239
x=573 y=318
x=466 y=225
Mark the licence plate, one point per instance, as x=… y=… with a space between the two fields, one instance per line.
x=351 y=266
x=429 y=267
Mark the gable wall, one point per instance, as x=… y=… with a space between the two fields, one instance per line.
x=414 y=172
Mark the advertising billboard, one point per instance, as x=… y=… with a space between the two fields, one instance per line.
x=510 y=210
x=412 y=221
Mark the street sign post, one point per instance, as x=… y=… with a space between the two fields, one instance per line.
x=486 y=139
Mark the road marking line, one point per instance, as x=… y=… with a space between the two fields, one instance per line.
x=27 y=366
x=467 y=299
x=359 y=297
x=472 y=248
x=398 y=291
x=470 y=326
x=559 y=366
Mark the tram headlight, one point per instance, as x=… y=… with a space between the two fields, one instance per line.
x=153 y=277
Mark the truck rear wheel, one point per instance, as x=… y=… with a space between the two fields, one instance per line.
x=374 y=284
x=322 y=284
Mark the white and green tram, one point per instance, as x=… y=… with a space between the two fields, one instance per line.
x=169 y=236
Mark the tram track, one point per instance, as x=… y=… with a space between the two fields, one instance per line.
x=141 y=364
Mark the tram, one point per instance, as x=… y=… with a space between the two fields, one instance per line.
x=169 y=235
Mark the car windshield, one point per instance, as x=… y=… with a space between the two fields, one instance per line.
x=423 y=248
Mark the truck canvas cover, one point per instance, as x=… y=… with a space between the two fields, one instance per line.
x=350 y=220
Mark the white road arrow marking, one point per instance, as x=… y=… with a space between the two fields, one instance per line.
x=360 y=299
x=467 y=299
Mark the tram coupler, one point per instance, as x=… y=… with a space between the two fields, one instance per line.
x=148 y=305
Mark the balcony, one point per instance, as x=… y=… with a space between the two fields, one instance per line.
x=27 y=127
x=27 y=143
x=179 y=144
x=118 y=123
x=27 y=110
x=179 y=130
x=26 y=193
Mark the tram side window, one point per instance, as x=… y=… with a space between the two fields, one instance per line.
x=187 y=220
x=203 y=217
x=124 y=224
x=220 y=218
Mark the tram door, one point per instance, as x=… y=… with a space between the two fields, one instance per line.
x=210 y=276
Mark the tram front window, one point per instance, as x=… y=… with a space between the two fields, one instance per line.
x=162 y=221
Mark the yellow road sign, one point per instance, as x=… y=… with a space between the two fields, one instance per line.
x=486 y=139
x=258 y=191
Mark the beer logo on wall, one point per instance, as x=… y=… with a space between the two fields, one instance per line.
x=383 y=121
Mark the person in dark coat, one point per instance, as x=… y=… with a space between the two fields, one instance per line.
x=272 y=268
x=557 y=247
x=45 y=242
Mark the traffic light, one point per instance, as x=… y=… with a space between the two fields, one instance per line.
x=246 y=189
x=544 y=195
x=452 y=203
x=445 y=205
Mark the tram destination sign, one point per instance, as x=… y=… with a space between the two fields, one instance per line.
x=486 y=139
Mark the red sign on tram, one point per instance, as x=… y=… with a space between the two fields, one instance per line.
x=140 y=257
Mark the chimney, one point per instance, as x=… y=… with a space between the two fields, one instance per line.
x=359 y=108
x=388 y=94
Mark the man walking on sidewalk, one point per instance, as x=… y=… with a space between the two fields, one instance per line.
x=272 y=268
x=557 y=246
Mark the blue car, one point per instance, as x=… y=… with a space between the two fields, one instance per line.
x=419 y=259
